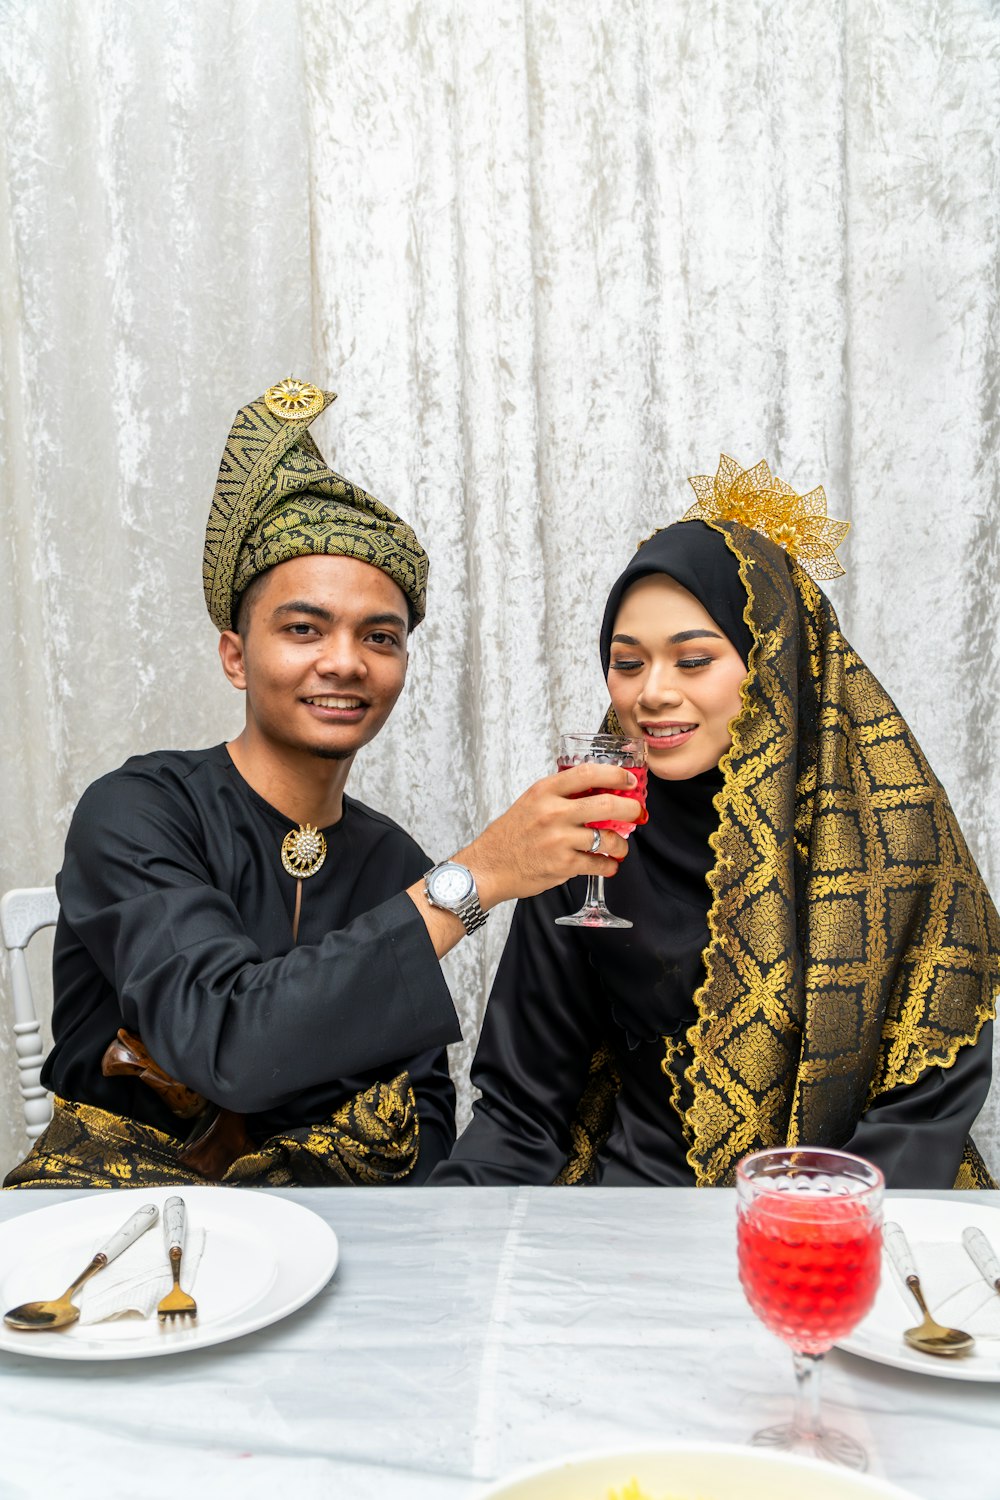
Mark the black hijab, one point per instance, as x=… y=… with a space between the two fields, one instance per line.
x=698 y=558
x=673 y=847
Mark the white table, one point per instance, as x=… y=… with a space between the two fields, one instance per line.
x=468 y=1332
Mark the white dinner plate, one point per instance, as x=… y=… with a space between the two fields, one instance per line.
x=691 y=1471
x=937 y=1221
x=264 y=1257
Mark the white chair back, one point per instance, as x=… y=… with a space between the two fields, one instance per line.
x=22 y=914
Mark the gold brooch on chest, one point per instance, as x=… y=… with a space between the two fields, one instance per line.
x=303 y=851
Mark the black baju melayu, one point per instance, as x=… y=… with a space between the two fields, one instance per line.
x=275 y=973
x=176 y=922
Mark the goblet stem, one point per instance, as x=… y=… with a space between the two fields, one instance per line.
x=808 y=1369
x=805 y=1433
x=593 y=904
x=593 y=912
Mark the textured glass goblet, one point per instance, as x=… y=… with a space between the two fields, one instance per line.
x=809 y=1238
x=608 y=750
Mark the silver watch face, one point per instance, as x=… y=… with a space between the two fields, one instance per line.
x=450 y=884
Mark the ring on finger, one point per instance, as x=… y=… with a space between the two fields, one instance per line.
x=595 y=846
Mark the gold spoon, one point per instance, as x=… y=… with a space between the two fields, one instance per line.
x=60 y=1311
x=929 y=1337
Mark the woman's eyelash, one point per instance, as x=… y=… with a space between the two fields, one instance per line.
x=687 y=662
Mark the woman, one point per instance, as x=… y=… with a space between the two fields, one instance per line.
x=814 y=956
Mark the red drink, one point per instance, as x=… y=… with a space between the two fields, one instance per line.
x=637 y=793
x=809 y=1265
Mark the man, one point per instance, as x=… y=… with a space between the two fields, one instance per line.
x=247 y=985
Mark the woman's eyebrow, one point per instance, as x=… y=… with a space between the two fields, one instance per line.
x=672 y=640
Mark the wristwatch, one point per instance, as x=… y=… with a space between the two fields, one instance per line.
x=452 y=887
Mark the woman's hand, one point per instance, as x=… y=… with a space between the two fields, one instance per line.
x=542 y=839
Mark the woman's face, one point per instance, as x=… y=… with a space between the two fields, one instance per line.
x=674 y=678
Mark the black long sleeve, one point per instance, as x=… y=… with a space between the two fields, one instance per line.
x=541 y=1027
x=176 y=922
x=916 y=1133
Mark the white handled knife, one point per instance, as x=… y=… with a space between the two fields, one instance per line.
x=983 y=1256
x=140 y=1221
x=898 y=1249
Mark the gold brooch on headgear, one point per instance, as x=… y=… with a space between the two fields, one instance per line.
x=760 y=500
x=294 y=400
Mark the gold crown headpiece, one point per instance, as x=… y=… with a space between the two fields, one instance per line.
x=759 y=499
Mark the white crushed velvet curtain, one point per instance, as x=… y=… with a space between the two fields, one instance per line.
x=555 y=256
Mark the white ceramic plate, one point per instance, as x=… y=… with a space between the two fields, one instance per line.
x=880 y=1336
x=692 y=1471
x=264 y=1257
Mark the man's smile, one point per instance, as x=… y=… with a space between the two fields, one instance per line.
x=329 y=701
x=337 y=706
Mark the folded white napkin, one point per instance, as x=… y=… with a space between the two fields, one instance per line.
x=953 y=1289
x=134 y=1283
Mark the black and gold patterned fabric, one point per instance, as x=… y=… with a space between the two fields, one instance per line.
x=853 y=944
x=373 y=1139
x=276 y=499
x=813 y=957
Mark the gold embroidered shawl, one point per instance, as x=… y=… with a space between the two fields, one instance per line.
x=853 y=942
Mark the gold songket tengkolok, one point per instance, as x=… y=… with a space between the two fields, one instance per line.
x=277 y=498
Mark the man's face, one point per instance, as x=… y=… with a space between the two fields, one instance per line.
x=322 y=657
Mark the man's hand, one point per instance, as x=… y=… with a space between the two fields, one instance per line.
x=542 y=840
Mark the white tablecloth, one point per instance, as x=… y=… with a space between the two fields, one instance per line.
x=468 y=1332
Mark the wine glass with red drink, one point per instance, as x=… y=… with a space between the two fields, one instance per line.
x=608 y=750
x=809 y=1241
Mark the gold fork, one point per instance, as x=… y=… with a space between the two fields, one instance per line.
x=176 y=1304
